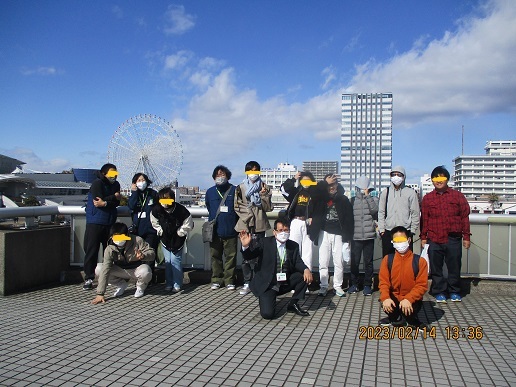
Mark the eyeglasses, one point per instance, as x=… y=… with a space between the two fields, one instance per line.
x=396 y=174
x=283 y=230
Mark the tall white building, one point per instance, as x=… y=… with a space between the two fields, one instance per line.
x=321 y=168
x=494 y=172
x=366 y=139
x=274 y=177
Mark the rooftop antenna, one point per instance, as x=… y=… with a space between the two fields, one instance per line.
x=462 y=154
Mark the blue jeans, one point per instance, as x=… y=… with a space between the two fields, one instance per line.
x=173 y=268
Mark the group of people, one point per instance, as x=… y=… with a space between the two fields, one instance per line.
x=319 y=216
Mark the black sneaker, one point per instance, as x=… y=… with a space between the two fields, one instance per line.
x=88 y=285
x=385 y=322
x=416 y=324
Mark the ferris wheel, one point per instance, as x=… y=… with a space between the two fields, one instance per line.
x=146 y=143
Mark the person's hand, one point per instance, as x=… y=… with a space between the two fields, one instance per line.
x=466 y=244
x=331 y=179
x=99 y=299
x=309 y=221
x=307 y=276
x=297 y=176
x=366 y=191
x=423 y=243
x=388 y=305
x=133 y=187
x=118 y=196
x=264 y=188
x=406 y=307
x=98 y=202
x=138 y=253
x=245 y=238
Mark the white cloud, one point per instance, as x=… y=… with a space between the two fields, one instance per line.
x=468 y=71
x=42 y=70
x=34 y=162
x=178 y=22
x=117 y=11
x=178 y=60
x=329 y=76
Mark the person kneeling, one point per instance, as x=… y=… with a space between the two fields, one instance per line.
x=403 y=282
x=124 y=260
x=279 y=269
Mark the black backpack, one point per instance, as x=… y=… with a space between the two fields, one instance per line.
x=415 y=264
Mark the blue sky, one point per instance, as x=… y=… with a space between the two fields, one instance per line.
x=244 y=80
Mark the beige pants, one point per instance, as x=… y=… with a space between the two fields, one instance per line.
x=142 y=275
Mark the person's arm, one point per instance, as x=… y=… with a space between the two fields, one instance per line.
x=249 y=253
x=288 y=188
x=265 y=196
x=155 y=224
x=373 y=204
x=381 y=211
x=421 y=285
x=147 y=252
x=241 y=209
x=132 y=202
x=414 y=212
x=185 y=227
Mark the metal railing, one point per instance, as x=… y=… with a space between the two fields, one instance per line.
x=491 y=255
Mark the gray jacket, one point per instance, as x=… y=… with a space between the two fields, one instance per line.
x=364 y=209
x=402 y=209
x=114 y=256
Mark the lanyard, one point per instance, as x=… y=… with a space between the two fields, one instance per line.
x=222 y=197
x=282 y=256
x=144 y=199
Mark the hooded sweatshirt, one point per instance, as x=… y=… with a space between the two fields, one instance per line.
x=402 y=207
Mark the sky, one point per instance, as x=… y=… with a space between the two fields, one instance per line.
x=253 y=80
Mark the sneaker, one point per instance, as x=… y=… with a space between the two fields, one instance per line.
x=176 y=289
x=307 y=291
x=139 y=292
x=339 y=292
x=367 y=291
x=230 y=287
x=121 y=289
x=88 y=285
x=245 y=290
x=416 y=324
x=440 y=298
x=385 y=322
x=352 y=289
x=215 y=286
x=323 y=291
x=455 y=297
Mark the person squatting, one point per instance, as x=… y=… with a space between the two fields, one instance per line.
x=319 y=214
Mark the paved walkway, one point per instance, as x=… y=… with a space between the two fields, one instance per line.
x=55 y=337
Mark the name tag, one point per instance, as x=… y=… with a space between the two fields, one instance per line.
x=142 y=215
x=280 y=277
x=224 y=209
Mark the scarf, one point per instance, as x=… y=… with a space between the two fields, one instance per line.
x=252 y=191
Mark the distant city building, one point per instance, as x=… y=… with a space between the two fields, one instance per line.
x=366 y=139
x=426 y=185
x=274 y=177
x=321 y=168
x=494 y=172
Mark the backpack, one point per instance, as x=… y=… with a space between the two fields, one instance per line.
x=415 y=264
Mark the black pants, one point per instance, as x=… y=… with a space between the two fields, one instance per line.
x=94 y=236
x=396 y=315
x=388 y=248
x=367 y=248
x=267 y=300
x=438 y=254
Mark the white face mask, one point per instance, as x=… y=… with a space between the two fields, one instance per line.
x=220 y=180
x=396 y=180
x=120 y=243
x=401 y=247
x=141 y=185
x=253 y=178
x=283 y=236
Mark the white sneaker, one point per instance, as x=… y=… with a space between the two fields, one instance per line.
x=121 y=289
x=139 y=293
x=323 y=291
x=230 y=287
x=176 y=289
x=339 y=292
x=245 y=290
x=215 y=286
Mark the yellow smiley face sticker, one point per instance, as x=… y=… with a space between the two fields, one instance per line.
x=439 y=179
x=121 y=237
x=112 y=173
x=166 y=201
x=252 y=172
x=399 y=239
x=307 y=183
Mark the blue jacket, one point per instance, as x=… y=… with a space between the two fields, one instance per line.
x=148 y=198
x=226 y=221
x=103 y=189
